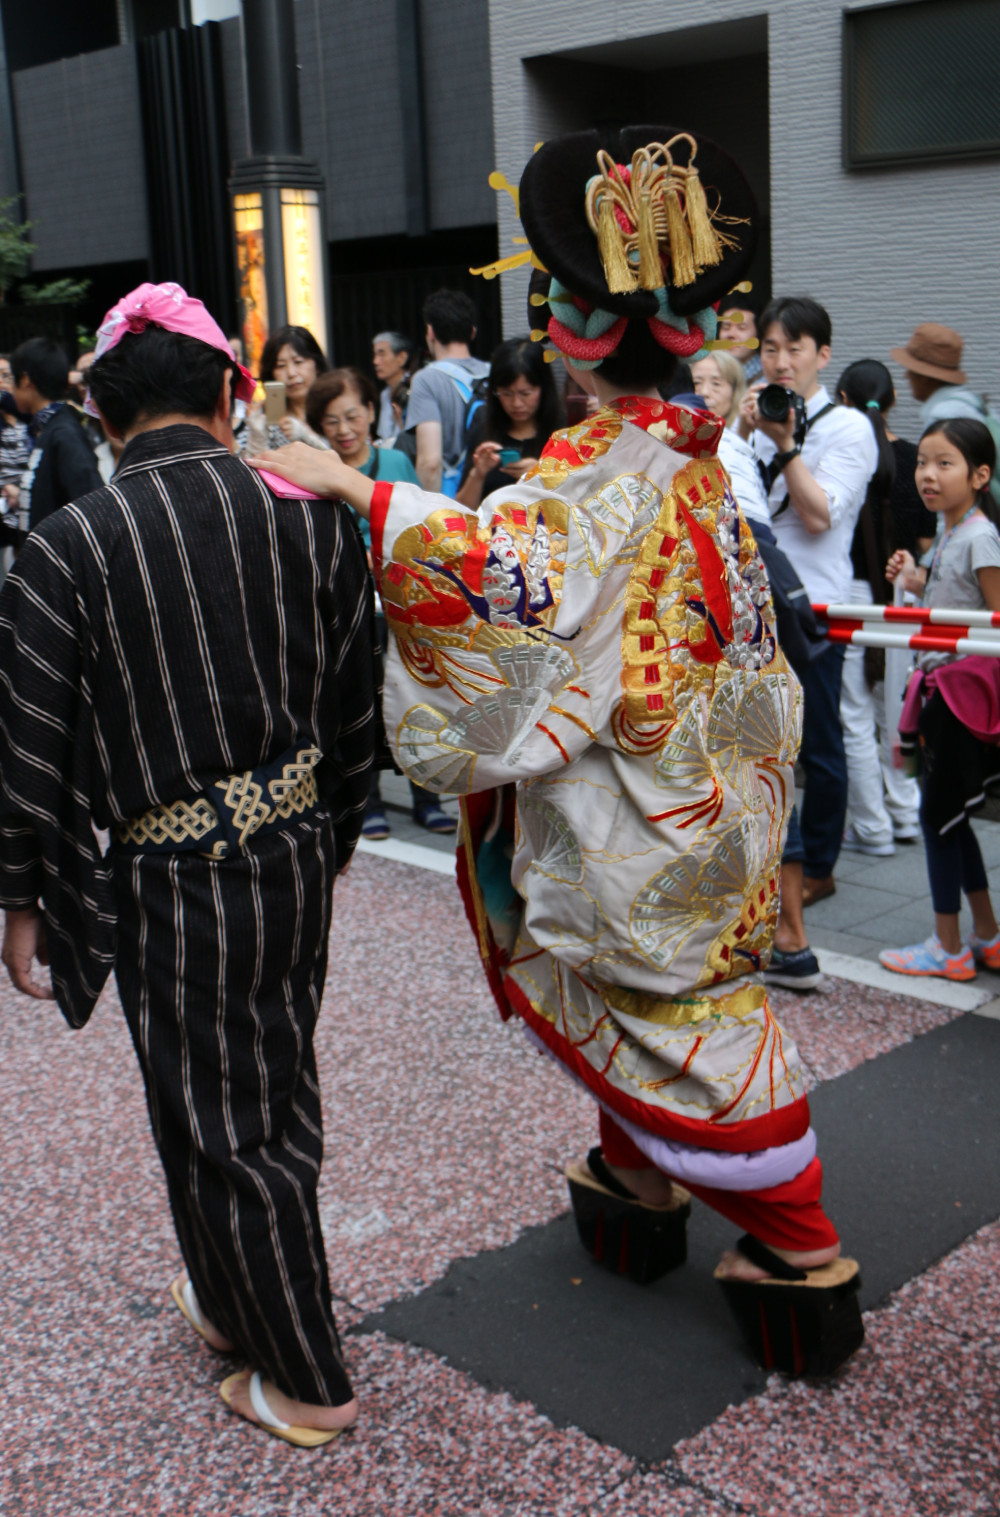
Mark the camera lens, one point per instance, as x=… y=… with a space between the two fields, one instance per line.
x=774 y=402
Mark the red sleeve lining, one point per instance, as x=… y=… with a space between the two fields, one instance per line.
x=381 y=497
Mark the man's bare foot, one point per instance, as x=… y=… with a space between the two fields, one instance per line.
x=735 y=1266
x=650 y=1185
x=186 y=1298
x=324 y=1419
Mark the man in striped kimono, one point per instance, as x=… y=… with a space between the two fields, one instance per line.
x=186 y=663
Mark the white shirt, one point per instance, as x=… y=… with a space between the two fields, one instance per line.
x=739 y=460
x=840 y=453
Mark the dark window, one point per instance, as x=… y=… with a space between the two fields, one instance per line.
x=921 y=81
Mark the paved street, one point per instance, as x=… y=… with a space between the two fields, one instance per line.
x=500 y=1371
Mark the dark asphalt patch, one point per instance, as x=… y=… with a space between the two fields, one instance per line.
x=909 y=1144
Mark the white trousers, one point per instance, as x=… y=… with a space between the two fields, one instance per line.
x=881 y=801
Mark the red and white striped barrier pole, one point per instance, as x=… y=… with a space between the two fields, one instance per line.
x=936 y=629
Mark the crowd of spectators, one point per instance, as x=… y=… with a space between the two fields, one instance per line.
x=828 y=488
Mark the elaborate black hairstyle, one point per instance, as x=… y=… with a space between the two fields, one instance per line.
x=553 y=210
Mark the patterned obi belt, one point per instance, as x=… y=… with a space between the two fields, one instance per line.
x=220 y=820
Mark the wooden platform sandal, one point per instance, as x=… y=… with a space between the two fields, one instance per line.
x=626 y=1235
x=799 y=1321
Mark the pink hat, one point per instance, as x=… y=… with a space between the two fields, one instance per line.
x=170 y=307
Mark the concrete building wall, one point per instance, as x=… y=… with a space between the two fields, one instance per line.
x=352 y=120
x=80 y=131
x=456 y=60
x=883 y=249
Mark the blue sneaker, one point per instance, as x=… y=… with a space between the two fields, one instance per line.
x=793 y=971
x=929 y=957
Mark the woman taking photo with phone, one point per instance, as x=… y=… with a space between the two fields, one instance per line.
x=294 y=358
x=521 y=413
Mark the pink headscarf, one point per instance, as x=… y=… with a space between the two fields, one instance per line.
x=170 y=307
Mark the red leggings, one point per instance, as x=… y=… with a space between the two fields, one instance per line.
x=785 y=1216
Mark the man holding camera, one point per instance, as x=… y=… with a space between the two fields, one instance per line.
x=816 y=459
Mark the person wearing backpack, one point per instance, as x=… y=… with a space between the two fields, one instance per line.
x=448 y=393
x=933 y=362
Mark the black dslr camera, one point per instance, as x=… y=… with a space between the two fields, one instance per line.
x=774 y=403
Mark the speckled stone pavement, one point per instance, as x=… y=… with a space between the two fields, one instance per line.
x=445 y=1137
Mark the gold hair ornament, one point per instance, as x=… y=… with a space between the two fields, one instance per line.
x=499 y=181
x=667 y=214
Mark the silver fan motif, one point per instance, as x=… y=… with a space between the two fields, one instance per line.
x=555 y=848
x=683 y=760
x=753 y=721
x=427 y=755
x=691 y=891
x=500 y=721
x=607 y=520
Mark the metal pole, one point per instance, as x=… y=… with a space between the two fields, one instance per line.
x=272 y=78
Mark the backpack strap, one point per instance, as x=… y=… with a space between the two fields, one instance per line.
x=462 y=380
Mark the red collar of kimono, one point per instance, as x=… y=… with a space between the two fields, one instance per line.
x=694 y=432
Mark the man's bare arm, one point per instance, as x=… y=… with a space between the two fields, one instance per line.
x=807 y=497
x=429 y=463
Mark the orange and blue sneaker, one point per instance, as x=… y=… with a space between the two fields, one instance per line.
x=930 y=958
x=985 y=951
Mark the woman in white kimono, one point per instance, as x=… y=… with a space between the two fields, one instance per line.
x=590 y=661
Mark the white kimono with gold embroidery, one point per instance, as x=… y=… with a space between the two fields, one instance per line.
x=601 y=635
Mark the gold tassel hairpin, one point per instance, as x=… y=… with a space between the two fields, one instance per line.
x=611 y=247
x=604 y=192
x=667 y=217
x=705 y=247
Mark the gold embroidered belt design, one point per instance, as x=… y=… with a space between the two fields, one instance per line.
x=235 y=808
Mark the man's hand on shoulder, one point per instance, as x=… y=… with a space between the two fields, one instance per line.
x=23 y=943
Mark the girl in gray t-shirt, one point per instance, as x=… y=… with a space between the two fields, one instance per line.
x=955 y=461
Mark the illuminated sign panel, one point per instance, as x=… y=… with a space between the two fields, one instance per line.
x=248 y=215
x=302 y=240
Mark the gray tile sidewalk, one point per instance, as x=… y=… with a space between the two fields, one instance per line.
x=886 y=903
x=395 y=792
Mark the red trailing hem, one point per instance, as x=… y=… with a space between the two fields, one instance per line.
x=381 y=498
x=769 y=1131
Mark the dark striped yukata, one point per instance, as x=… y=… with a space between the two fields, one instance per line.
x=181 y=625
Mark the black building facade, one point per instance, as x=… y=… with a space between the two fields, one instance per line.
x=122 y=152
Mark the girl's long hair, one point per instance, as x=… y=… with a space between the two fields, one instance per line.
x=867 y=386
x=516 y=359
x=974 y=441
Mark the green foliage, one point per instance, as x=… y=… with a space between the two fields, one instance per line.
x=15 y=248
x=58 y=292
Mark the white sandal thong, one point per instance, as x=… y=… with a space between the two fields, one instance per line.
x=262 y=1411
